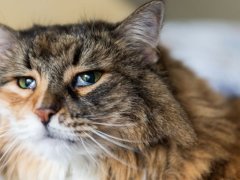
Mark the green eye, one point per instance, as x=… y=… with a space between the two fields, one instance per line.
x=26 y=83
x=87 y=78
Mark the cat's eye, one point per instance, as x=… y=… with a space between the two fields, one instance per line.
x=26 y=83
x=86 y=78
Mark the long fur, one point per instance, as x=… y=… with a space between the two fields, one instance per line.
x=147 y=117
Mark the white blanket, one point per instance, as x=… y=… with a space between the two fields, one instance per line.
x=211 y=49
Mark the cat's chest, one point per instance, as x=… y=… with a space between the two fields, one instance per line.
x=81 y=175
x=81 y=170
x=78 y=169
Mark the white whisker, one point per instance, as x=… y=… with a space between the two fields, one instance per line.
x=113 y=125
x=68 y=149
x=86 y=149
x=96 y=115
x=114 y=142
x=4 y=130
x=117 y=138
x=91 y=156
x=7 y=153
x=109 y=152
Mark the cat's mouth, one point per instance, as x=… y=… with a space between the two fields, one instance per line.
x=56 y=134
x=50 y=136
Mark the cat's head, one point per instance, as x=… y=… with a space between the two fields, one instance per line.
x=89 y=88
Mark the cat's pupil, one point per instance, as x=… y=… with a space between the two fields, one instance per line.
x=88 y=77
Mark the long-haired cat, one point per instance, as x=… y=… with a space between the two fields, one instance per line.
x=98 y=101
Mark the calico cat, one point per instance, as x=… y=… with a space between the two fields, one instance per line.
x=99 y=101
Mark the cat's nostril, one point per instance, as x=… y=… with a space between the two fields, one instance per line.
x=44 y=114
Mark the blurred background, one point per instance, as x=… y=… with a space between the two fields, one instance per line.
x=201 y=9
x=204 y=34
x=19 y=14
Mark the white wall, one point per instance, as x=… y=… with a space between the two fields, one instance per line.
x=22 y=13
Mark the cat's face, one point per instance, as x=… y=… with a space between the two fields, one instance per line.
x=86 y=88
x=63 y=88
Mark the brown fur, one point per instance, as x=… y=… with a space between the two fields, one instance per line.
x=162 y=121
x=216 y=153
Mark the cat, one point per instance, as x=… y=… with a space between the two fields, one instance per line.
x=99 y=101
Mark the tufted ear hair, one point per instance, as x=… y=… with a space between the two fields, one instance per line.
x=8 y=40
x=141 y=30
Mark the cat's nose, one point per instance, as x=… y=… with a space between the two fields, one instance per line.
x=45 y=114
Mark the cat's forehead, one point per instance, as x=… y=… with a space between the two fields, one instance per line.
x=67 y=42
x=67 y=50
x=54 y=44
x=51 y=53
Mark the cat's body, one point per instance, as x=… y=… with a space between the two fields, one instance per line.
x=104 y=101
x=216 y=153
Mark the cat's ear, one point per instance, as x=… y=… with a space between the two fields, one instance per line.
x=8 y=40
x=142 y=28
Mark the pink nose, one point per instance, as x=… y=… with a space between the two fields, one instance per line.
x=44 y=114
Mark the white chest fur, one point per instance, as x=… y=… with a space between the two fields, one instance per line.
x=82 y=170
x=79 y=169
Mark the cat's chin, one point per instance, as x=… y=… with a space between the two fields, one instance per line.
x=60 y=143
x=59 y=149
x=56 y=131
